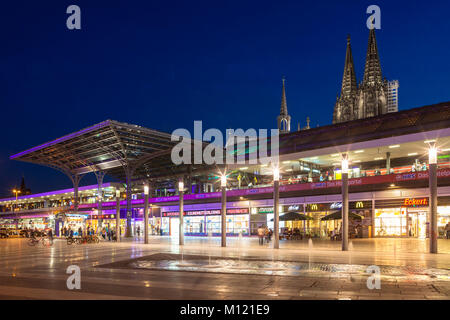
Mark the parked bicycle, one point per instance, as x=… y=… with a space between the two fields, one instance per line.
x=46 y=241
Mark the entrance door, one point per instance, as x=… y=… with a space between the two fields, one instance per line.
x=417 y=223
x=174 y=227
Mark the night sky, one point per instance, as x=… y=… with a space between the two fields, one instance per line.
x=164 y=64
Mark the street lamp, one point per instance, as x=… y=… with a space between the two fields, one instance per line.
x=432 y=157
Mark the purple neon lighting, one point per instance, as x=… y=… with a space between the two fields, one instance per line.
x=51 y=193
x=67 y=137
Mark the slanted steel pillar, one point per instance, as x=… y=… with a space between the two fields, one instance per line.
x=129 y=174
x=76 y=178
x=100 y=175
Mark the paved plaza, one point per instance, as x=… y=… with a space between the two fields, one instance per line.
x=201 y=269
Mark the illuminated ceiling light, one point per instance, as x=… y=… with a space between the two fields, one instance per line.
x=344 y=165
x=263 y=165
x=379 y=158
x=315 y=158
x=392 y=185
x=287 y=162
x=359 y=151
x=448 y=149
x=412 y=154
x=335 y=155
x=243 y=168
x=430 y=141
x=276 y=174
x=289 y=170
x=336 y=164
x=432 y=155
x=357 y=161
x=223 y=180
x=394 y=146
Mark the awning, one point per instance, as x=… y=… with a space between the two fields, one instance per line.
x=337 y=215
x=293 y=216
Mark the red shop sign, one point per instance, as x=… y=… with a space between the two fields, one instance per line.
x=423 y=202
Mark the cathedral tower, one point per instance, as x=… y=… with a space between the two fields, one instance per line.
x=344 y=107
x=284 y=119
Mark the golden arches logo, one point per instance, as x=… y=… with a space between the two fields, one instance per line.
x=359 y=204
x=314 y=207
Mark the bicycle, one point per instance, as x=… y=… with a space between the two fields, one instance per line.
x=33 y=241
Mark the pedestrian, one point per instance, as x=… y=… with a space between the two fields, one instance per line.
x=138 y=231
x=447 y=230
x=261 y=235
x=80 y=232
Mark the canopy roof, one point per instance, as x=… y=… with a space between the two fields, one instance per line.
x=112 y=147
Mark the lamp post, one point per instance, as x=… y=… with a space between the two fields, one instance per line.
x=223 y=184
x=276 y=207
x=344 y=167
x=146 y=192
x=118 y=215
x=17 y=207
x=181 y=210
x=432 y=157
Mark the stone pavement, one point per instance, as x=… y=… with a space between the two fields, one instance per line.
x=40 y=272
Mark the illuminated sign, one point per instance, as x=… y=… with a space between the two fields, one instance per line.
x=359 y=204
x=415 y=202
x=336 y=205
x=314 y=206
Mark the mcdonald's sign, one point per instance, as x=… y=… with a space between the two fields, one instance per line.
x=359 y=204
x=314 y=206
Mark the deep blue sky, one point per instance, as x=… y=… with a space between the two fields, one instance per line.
x=163 y=64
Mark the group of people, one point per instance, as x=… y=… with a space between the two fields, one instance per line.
x=419 y=167
x=264 y=233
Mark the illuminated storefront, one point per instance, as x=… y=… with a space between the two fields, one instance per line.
x=401 y=218
x=205 y=222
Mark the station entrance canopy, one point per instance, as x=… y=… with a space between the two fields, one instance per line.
x=124 y=151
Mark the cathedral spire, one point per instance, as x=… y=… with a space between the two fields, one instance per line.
x=349 y=84
x=283 y=108
x=284 y=119
x=372 y=72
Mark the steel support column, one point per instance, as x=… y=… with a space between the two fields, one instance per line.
x=388 y=162
x=118 y=215
x=433 y=207
x=224 y=216
x=181 y=210
x=146 y=193
x=276 y=216
x=344 y=211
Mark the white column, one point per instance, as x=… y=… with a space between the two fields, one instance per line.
x=433 y=198
x=344 y=202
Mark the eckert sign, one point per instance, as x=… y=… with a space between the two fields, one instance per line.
x=415 y=202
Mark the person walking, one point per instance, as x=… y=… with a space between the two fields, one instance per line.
x=80 y=232
x=261 y=235
x=138 y=231
x=447 y=230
